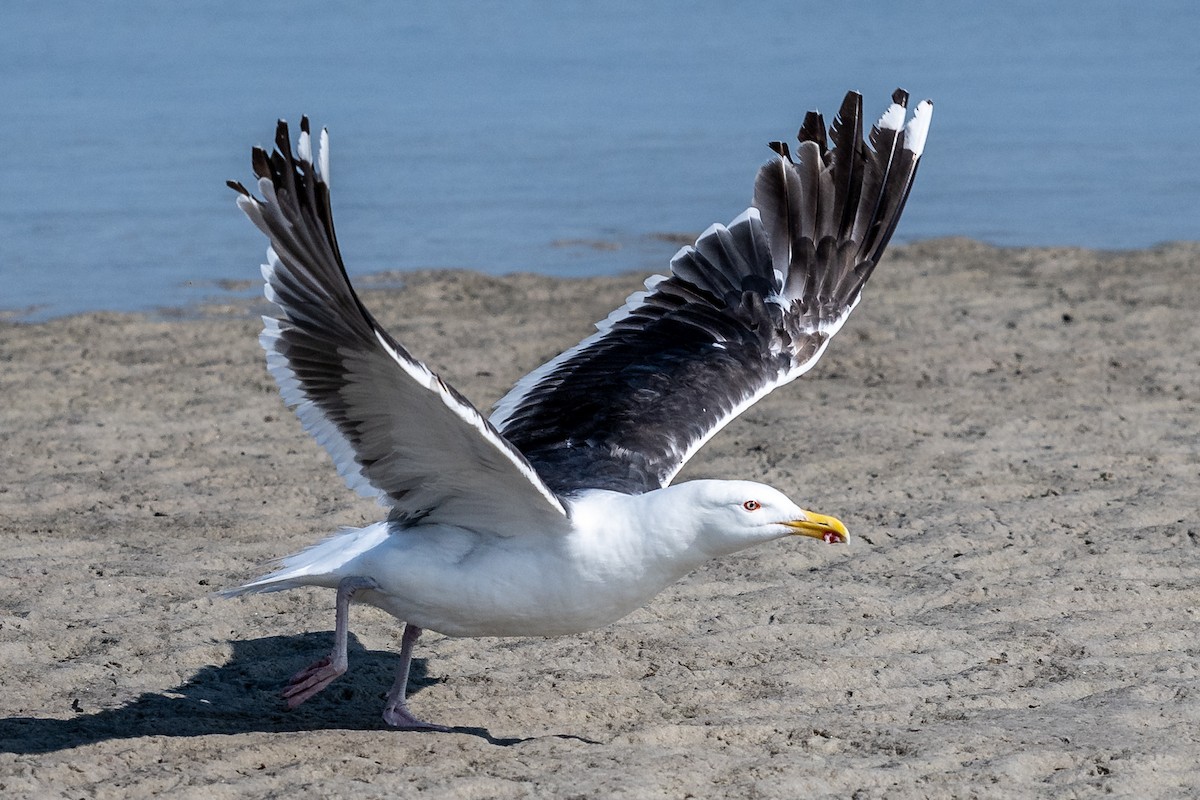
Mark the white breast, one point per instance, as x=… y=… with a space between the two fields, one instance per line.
x=460 y=583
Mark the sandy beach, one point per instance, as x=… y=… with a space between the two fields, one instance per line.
x=1011 y=436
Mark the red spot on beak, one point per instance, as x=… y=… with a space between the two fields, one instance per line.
x=832 y=537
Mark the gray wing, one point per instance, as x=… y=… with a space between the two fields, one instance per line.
x=750 y=307
x=394 y=429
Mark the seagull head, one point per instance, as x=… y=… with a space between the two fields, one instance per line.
x=731 y=515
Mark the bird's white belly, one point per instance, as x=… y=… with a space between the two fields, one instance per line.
x=461 y=584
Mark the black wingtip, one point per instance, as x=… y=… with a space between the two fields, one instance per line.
x=304 y=124
x=781 y=149
x=813 y=130
x=237 y=187
x=852 y=201
x=851 y=109
x=260 y=162
x=283 y=139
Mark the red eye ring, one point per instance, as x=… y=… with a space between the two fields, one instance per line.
x=752 y=505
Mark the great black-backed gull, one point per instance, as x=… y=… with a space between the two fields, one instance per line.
x=557 y=515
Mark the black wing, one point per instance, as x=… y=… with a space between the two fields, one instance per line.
x=748 y=308
x=394 y=429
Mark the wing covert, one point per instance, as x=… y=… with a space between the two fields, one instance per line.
x=394 y=429
x=746 y=309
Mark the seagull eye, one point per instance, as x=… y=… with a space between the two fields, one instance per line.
x=752 y=505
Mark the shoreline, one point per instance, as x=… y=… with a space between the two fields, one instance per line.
x=1009 y=433
x=228 y=291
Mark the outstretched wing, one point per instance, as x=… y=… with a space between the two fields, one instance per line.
x=394 y=429
x=750 y=307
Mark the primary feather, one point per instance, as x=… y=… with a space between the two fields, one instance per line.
x=555 y=515
x=746 y=309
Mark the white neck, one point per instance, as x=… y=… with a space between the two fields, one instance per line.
x=625 y=534
x=656 y=532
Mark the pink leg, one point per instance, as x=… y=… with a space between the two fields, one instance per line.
x=307 y=682
x=396 y=713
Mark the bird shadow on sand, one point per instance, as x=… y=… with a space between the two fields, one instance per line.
x=242 y=696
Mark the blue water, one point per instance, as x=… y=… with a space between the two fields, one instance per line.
x=561 y=137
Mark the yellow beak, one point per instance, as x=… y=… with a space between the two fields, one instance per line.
x=819 y=526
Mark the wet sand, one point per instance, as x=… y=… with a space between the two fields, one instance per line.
x=1011 y=435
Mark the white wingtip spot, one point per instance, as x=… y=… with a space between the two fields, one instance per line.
x=918 y=128
x=304 y=147
x=323 y=154
x=892 y=119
